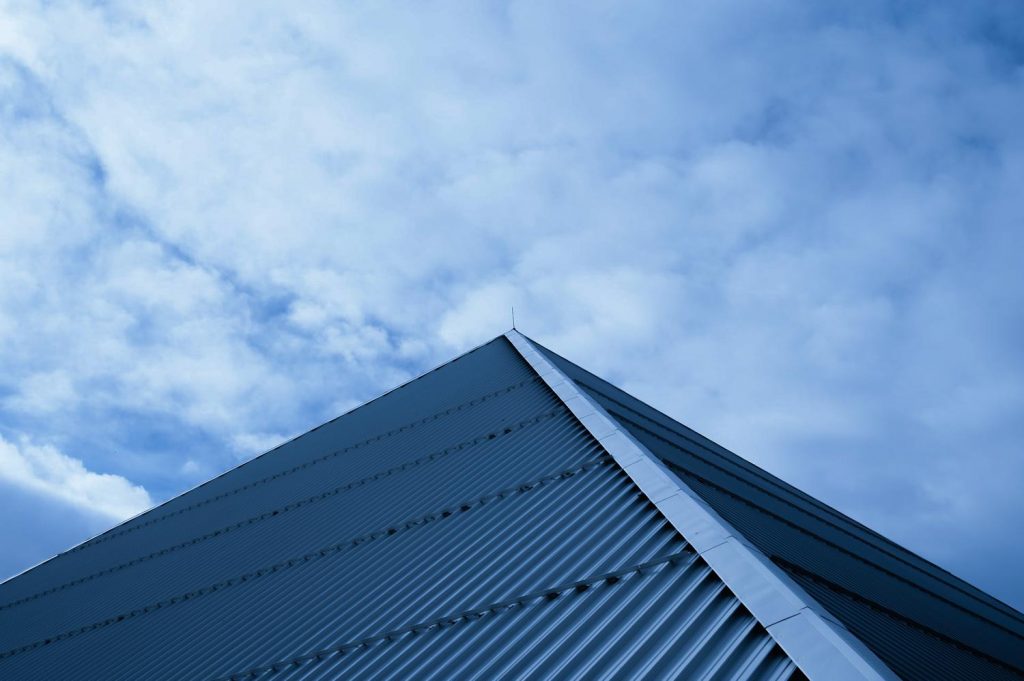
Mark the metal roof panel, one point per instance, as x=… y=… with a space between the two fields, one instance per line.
x=464 y=524
x=870 y=584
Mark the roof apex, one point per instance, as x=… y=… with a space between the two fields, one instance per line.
x=820 y=645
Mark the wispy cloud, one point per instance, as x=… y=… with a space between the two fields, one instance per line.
x=793 y=227
x=44 y=469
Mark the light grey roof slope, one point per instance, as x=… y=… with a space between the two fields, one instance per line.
x=465 y=525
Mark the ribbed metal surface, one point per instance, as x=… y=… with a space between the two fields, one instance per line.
x=944 y=612
x=400 y=424
x=464 y=524
x=915 y=652
x=673 y=620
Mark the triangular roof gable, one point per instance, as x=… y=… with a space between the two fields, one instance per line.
x=464 y=524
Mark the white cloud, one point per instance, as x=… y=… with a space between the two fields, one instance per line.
x=796 y=229
x=43 y=393
x=44 y=469
x=248 y=445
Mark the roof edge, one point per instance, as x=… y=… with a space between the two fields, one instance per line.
x=819 y=644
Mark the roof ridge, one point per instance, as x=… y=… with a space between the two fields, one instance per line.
x=700 y=440
x=820 y=645
x=946 y=578
x=852 y=554
x=842 y=549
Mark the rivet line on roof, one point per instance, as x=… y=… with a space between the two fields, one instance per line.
x=602 y=460
x=290 y=507
x=685 y=558
x=451 y=410
x=811 y=500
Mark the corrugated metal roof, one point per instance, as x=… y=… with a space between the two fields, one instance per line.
x=463 y=525
x=673 y=620
x=814 y=640
x=883 y=593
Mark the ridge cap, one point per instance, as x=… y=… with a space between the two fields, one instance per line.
x=821 y=646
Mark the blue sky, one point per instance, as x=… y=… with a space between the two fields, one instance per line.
x=795 y=227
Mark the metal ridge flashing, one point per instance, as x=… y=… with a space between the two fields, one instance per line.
x=819 y=645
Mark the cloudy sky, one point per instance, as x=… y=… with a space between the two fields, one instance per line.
x=795 y=227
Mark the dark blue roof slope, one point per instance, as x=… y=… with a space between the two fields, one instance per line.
x=922 y=621
x=464 y=525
